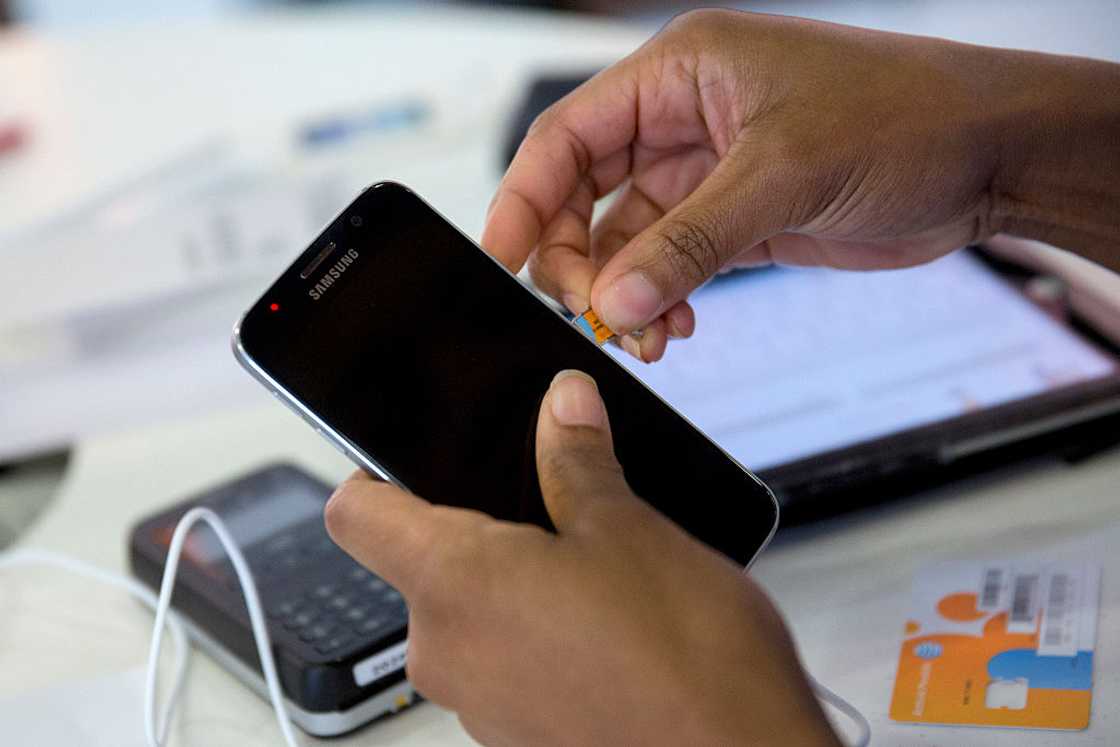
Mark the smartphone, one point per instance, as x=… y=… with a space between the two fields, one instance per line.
x=337 y=630
x=425 y=361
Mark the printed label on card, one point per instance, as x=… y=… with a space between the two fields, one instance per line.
x=999 y=644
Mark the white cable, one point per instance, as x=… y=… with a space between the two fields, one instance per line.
x=19 y=558
x=256 y=619
x=863 y=737
x=157 y=736
x=165 y=616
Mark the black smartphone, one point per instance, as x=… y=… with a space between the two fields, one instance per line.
x=337 y=630
x=425 y=361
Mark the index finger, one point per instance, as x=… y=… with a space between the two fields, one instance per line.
x=381 y=526
x=572 y=140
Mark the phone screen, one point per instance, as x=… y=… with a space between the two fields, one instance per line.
x=431 y=360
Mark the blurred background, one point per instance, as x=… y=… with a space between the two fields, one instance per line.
x=161 y=160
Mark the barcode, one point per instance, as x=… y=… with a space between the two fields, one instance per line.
x=993 y=582
x=1056 y=609
x=1023 y=597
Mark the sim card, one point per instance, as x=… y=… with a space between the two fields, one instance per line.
x=1004 y=643
x=591 y=326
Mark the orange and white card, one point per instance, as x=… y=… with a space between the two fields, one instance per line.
x=1000 y=644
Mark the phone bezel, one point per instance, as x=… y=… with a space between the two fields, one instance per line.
x=366 y=461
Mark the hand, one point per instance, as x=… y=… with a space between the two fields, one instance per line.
x=618 y=629
x=741 y=139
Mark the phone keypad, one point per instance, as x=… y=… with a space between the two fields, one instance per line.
x=340 y=606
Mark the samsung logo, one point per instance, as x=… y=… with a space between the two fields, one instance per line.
x=332 y=275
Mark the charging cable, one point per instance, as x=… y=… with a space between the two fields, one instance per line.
x=156 y=732
x=256 y=619
x=24 y=558
x=863 y=729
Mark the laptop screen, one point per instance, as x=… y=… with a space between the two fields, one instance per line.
x=787 y=363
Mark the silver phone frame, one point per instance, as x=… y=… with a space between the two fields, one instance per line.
x=367 y=462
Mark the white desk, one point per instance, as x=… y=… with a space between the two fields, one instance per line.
x=843 y=585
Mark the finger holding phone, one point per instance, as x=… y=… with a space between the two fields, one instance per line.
x=618 y=629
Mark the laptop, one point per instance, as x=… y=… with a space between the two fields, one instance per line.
x=846 y=388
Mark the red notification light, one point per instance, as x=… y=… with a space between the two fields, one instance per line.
x=274 y=307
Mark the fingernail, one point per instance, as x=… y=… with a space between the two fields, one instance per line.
x=630 y=302
x=574 y=303
x=575 y=400
x=678 y=323
x=632 y=346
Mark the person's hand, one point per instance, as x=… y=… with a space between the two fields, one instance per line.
x=743 y=139
x=618 y=629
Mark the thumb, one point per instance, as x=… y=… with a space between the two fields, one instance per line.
x=575 y=458
x=736 y=207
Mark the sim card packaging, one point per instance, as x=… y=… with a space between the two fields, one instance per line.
x=999 y=644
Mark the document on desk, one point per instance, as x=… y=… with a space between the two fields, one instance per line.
x=123 y=308
x=175 y=232
x=204 y=219
x=1002 y=643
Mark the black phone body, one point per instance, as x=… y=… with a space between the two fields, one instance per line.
x=338 y=631
x=424 y=360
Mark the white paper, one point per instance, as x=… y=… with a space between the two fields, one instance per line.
x=100 y=712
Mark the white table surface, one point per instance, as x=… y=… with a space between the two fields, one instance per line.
x=843 y=584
